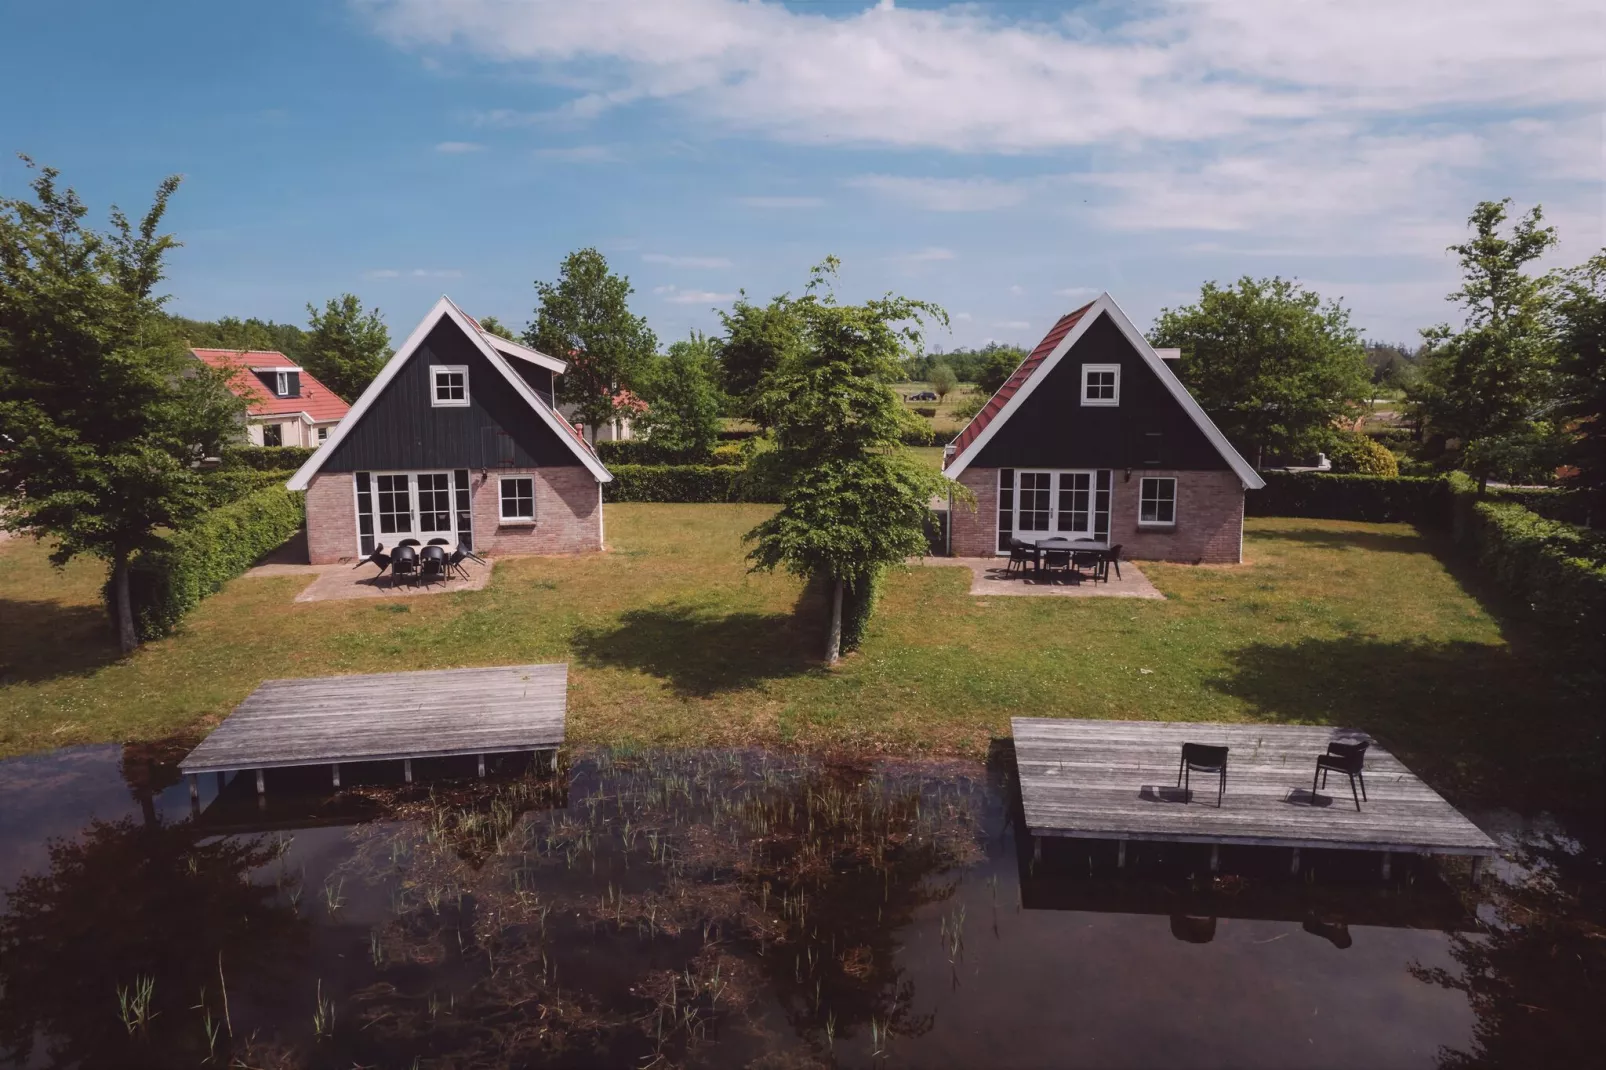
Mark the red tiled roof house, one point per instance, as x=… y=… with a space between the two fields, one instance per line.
x=456 y=438
x=285 y=405
x=1093 y=436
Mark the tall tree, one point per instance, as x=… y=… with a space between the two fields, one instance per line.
x=584 y=318
x=346 y=346
x=1580 y=321
x=854 y=499
x=102 y=411
x=495 y=326
x=758 y=339
x=686 y=403
x=1274 y=367
x=230 y=332
x=1488 y=384
x=943 y=380
x=998 y=364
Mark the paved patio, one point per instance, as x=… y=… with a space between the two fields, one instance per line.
x=989 y=576
x=334 y=582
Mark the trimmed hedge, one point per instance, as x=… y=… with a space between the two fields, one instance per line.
x=1325 y=496
x=267 y=458
x=681 y=483
x=1552 y=503
x=169 y=581
x=641 y=451
x=225 y=485
x=929 y=438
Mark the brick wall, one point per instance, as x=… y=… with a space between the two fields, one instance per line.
x=1209 y=527
x=568 y=512
x=331 y=518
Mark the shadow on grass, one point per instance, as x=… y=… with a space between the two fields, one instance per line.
x=700 y=651
x=1476 y=721
x=45 y=639
x=1373 y=541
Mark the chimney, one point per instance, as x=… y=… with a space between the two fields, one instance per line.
x=1169 y=354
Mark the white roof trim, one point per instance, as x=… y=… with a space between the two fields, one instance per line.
x=518 y=352
x=444 y=308
x=277 y=368
x=1250 y=478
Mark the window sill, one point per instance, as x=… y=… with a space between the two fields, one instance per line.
x=1155 y=525
x=511 y=523
x=449 y=404
x=1086 y=403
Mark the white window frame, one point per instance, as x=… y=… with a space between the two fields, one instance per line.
x=501 y=517
x=1142 y=523
x=1088 y=370
x=435 y=399
x=321 y=434
x=281 y=384
x=1056 y=483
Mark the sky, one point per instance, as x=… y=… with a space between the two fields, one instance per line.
x=1008 y=161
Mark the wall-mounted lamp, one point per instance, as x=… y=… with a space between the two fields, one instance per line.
x=1128 y=478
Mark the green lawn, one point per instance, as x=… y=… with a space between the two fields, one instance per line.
x=670 y=640
x=945 y=419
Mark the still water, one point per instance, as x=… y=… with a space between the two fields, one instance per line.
x=739 y=909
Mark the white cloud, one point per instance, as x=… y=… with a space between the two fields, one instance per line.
x=676 y=296
x=944 y=194
x=1078 y=291
x=782 y=202
x=580 y=154
x=686 y=261
x=459 y=146
x=415 y=273
x=963 y=316
x=1013 y=325
x=930 y=255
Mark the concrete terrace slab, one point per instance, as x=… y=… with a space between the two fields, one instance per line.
x=336 y=582
x=989 y=576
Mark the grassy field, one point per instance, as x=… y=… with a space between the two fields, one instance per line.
x=945 y=419
x=671 y=641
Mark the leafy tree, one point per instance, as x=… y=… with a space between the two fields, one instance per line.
x=584 y=318
x=758 y=339
x=1580 y=330
x=1491 y=380
x=855 y=500
x=969 y=365
x=943 y=380
x=346 y=346
x=686 y=402
x=492 y=325
x=102 y=411
x=1001 y=362
x=230 y=332
x=1274 y=367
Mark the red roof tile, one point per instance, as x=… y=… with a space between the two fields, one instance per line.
x=1017 y=379
x=316 y=400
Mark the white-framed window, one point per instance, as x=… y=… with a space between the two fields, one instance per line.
x=323 y=435
x=1045 y=504
x=1157 y=501
x=448 y=385
x=281 y=384
x=273 y=434
x=1101 y=384
x=518 y=500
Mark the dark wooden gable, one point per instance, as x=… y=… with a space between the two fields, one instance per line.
x=1053 y=429
x=402 y=430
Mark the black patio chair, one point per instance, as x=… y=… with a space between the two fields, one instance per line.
x=404 y=563
x=1019 y=554
x=378 y=557
x=1086 y=558
x=438 y=541
x=1113 y=557
x=408 y=542
x=1056 y=560
x=1346 y=758
x=1204 y=759
x=432 y=563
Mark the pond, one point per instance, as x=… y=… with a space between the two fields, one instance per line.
x=739 y=909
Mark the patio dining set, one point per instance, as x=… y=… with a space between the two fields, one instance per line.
x=426 y=563
x=1060 y=557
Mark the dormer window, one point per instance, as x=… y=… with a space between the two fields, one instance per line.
x=281 y=384
x=1101 y=384
x=448 y=385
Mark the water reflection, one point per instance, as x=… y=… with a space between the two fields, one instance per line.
x=706 y=909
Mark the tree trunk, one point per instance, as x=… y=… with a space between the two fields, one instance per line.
x=127 y=638
x=1483 y=484
x=833 y=642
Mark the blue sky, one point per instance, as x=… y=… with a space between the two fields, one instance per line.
x=1005 y=160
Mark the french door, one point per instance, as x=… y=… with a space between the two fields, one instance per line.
x=392 y=506
x=1044 y=503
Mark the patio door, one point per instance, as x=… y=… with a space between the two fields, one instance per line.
x=1068 y=504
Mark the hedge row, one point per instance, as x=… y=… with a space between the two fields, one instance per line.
x=1553 y=503
x=169 y=581
x=267 y=458
x=681 y=483
x=225 y=485
x=1325 y=496
x=641 y=451
x=929 y=438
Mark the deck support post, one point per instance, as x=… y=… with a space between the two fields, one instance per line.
x=1293 y=865
x=1388 y=858
x=1215 y=858
x=482 y=765
x=407 y=770
x=262 y=786
x=334 y=773
x=1037 y=849
x=1120 y=854
x=195 y=788
x=1477 y=870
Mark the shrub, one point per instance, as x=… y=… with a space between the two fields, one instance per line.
x=167 y=582
x=925 y=437
x=1553 y=503
x=644 y=451
x=1363 y=455
x=928 y=411
x=1320 y=495
x=682 y=483
x=225 y=485
x=267 y=458
x=858 y=604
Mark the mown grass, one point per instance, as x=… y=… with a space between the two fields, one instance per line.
x=671 y=641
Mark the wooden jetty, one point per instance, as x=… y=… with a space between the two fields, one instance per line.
x=395 y=716
x=1116 y=780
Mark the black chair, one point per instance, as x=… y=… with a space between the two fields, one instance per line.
x=378 y=557
x=1056 y=560
x=1346 y=758
x=1019 y=554
x=408 y=542
x=438 y=541
x=1204 y=759
x=454 y=564
x=404 y=562
x=1086 y=558
x=432 y=563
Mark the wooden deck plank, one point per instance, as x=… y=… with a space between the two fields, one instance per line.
x=387 y=716
x=1117 y=780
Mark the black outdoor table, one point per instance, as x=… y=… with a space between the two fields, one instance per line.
x=1075 y=546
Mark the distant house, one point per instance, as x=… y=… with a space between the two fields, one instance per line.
x=621 y=428
x=285 y=405
x=456 y=438
x=1093 y=436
